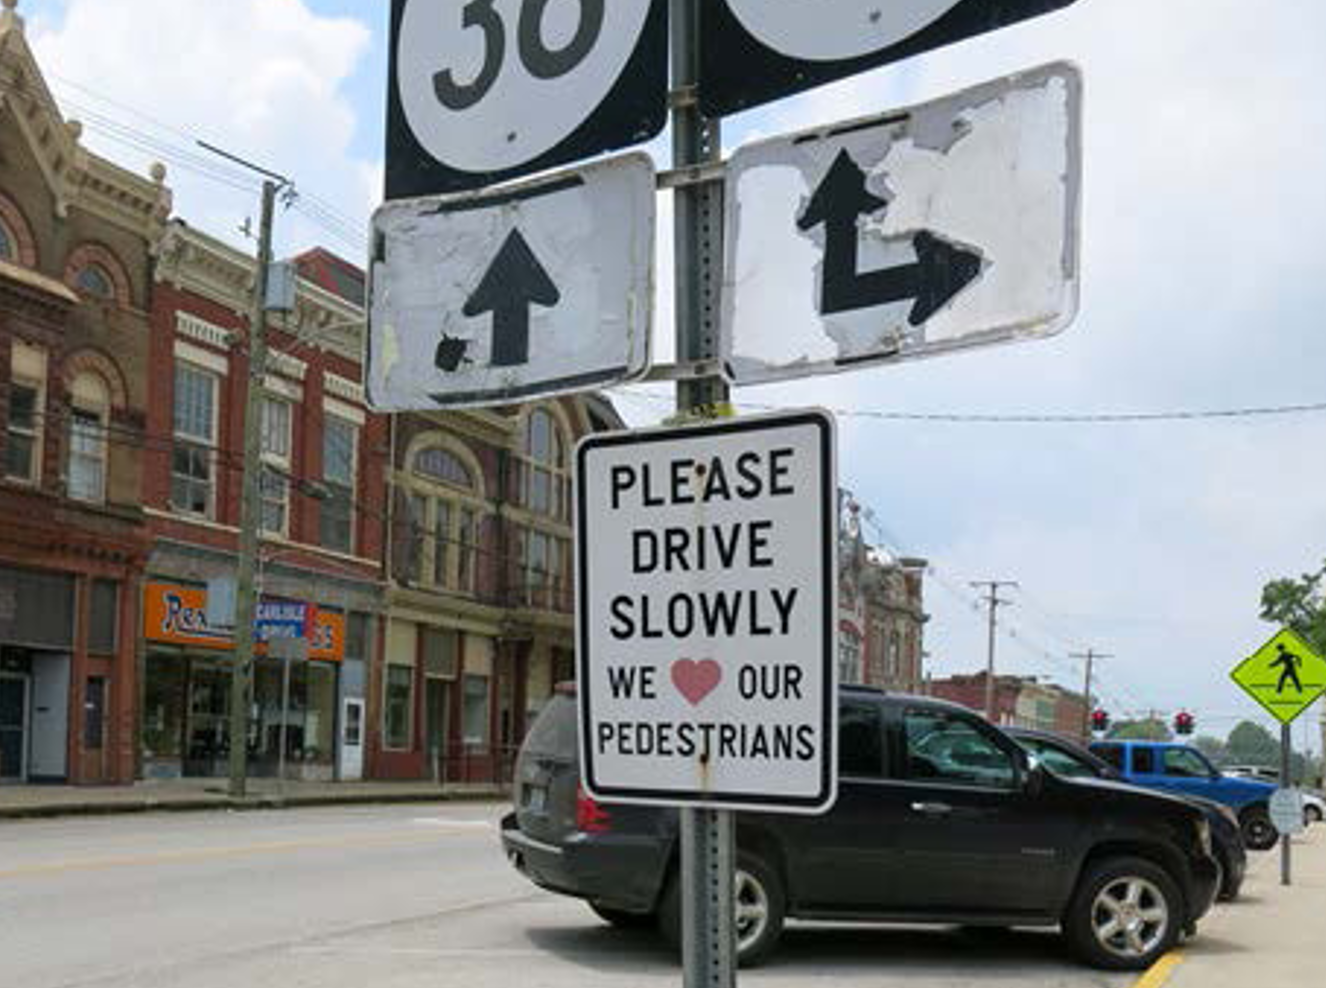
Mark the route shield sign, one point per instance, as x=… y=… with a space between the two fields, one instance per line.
x=754 y=51
x=705 y=614
x=1285 y=676
x=531 y=289
x=949 y=225
x=481 y=91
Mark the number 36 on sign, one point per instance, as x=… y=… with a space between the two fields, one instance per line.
x=484 y=90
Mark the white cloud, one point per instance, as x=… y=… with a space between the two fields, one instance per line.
x=261 y=78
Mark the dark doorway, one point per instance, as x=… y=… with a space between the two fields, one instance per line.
x=13 y=728
x=437 y=709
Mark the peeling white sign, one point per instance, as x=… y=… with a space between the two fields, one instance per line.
x=531 y=289
x=952 y=224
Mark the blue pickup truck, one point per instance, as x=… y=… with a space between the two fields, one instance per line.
x=1183 y=769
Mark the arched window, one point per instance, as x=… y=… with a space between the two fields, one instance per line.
x=546 y=485
x=545 y=492
x=8 y=244
x=445 y=513
x=89 y=421
x=95 y=280
x=444 y=467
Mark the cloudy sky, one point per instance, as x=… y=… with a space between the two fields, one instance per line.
x=1203 y=289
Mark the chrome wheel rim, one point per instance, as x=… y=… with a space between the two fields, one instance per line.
x=751 y=903
x=1130 y=917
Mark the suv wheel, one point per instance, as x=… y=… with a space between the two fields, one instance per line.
x=759 y=906
x=1311 y=815
x=1125 y=913
x=1259 y=832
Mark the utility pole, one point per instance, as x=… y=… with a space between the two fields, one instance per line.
x=1090 y=655
x=708 y=837
x=250 y=505
x=995 y=602
x=250 y=520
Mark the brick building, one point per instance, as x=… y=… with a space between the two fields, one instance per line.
x=76 y=238
x=1019 y=701
x=480 y=623
x=323 y=525
x=881 y=612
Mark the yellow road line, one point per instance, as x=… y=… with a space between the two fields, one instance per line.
x=215 y=853
x=1158 y=973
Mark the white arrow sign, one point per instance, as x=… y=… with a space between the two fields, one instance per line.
x=949 y=225
x=537 y=288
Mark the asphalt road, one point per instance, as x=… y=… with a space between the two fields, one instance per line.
x=393 y=897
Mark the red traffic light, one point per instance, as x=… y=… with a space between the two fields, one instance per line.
x=1184 y=722
x=1100 y=720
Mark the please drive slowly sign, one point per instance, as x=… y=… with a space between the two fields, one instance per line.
x=706 y=562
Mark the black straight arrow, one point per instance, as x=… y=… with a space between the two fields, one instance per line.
x=514 y=282
x=941 y=270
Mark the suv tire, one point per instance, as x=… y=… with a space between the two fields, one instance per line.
x=1125 y=913
x=622 y=919
x=1259 y=833
x=761 y=906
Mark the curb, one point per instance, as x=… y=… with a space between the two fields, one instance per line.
x=201 y=804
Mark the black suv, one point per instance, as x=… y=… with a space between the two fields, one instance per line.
x=940 y=818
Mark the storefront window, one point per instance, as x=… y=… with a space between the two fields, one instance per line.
x=399 y=693
x=476 y=709
x=307 y=709
x=163 y=714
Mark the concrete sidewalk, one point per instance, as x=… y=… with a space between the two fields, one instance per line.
x=1272 y=937
x=19 y=802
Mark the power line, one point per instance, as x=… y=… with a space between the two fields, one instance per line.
x=1048 y=418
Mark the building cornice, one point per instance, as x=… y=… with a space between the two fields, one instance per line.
x=76 y=177
x=197 y=262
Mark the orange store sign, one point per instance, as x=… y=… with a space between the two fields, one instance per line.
x=177 y=615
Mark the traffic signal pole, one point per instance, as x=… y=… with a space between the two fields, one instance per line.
x=1090 y=655
x=708 y=843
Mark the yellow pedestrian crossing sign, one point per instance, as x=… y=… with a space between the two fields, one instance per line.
x=1285 y=676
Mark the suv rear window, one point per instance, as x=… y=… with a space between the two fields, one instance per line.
x=554 y=730
x=948 y=748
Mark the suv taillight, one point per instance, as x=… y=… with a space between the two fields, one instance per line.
x=591 y=817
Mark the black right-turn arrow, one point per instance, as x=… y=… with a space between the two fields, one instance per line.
x=940 y=272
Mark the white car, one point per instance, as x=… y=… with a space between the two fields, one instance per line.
x=1314 y=807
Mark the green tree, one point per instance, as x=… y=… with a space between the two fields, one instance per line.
x=1148 y=729
x=1251 y=744
x=1212 y=747
x=1299 y=604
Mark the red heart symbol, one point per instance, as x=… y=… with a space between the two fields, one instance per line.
x=696 y=680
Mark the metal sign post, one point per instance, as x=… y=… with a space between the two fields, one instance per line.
x=1286 y=762
x=708 y=839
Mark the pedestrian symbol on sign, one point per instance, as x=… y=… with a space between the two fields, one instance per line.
x=1283 y=662
x=1290 y=662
